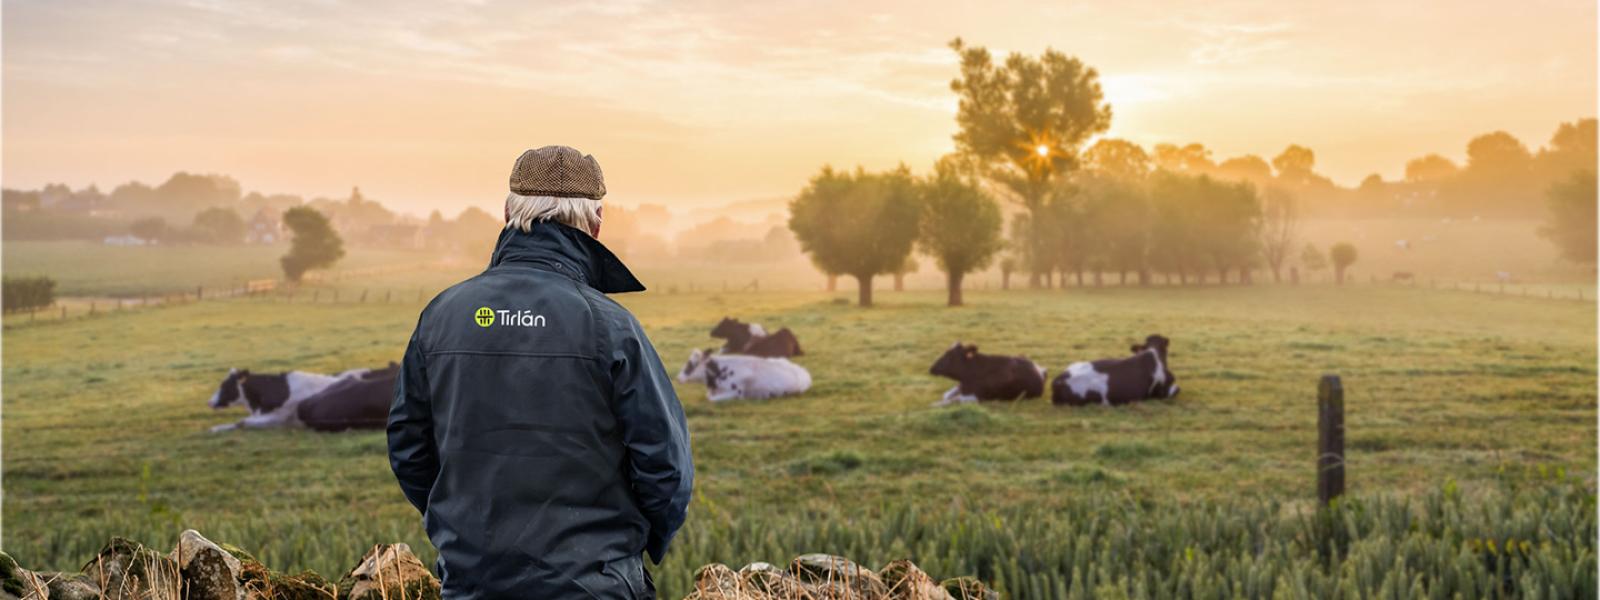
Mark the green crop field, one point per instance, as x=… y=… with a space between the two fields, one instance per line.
x=1472 y=417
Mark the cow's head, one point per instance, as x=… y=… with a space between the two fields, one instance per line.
x=694 y=369
x=231 y=390
x=729 y=327
x=1154 y=342
x=953 y=363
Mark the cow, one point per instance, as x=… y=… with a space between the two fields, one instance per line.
x=273 y=398
x=1116 y=381
x=730 y=376
x=752 y=339
x=360 y=402
x=985 y=377
x=694 y=370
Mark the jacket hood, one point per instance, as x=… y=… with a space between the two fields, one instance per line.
x=565 y=250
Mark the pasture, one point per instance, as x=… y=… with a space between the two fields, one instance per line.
x=104 y=422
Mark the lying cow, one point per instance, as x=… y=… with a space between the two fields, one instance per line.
x=752 y=339
x=986 y=377
x=1118 y=380
x=729 y=376
x=350 y=403
x=273 y=399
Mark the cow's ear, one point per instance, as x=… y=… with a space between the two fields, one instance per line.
x=1136 y=348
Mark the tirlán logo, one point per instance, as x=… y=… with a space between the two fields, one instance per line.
x=489 y=317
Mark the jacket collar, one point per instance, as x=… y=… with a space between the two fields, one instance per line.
x=565 y=250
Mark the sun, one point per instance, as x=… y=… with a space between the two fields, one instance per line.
x=1043 y=150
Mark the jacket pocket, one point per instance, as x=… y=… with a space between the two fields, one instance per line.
x=630 y=570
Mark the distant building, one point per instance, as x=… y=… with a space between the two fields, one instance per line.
x=263 y=228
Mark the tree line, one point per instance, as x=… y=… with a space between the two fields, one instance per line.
x=1023 y=125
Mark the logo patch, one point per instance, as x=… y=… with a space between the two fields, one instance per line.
x=487 y=317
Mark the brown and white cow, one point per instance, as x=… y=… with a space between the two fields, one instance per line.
x=986 y=377
x=752 y=339
x=1118 y=380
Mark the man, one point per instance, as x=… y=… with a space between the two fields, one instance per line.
x=533 y=423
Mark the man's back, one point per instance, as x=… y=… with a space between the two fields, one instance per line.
x=535 y=428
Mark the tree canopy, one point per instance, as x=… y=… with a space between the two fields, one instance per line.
x=857 y=223
x=316 y=245
x=1571 y=223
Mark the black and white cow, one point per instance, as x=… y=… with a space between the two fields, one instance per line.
x=273 y=399
x=730 y=376
x=986 y=377
x=1118 y=380
x=360 y=402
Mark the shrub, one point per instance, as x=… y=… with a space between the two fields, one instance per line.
x=27 y=293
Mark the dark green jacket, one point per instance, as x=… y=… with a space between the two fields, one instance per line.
x=535 y=428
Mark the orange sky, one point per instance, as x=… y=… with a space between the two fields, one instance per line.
x=426 y=103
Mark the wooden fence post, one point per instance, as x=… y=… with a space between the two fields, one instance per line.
x=363 y=296
x=199 y=292
x=1330 y=439
x=386 y=295
x=63 y=312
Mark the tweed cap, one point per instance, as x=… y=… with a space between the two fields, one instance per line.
x=560 y=171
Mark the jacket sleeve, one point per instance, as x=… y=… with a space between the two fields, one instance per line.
x=657 y=437
x=412 y=454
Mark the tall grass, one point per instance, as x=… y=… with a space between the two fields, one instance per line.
x=1522 y=537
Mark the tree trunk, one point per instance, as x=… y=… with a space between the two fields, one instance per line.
x=1144 y=277
x=1294 y=275
x=1338 y=275
x=864 y=287
x=1124 y=275
x=955 y=288
x=899 y=282
x=1097 y=281
x=1276 y=276
x=1244 y=276
x=1222 y=276
x=1079 y=276
x=833 y=283
x=1005 y=280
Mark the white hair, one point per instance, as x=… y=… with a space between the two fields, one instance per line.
x=580 y=213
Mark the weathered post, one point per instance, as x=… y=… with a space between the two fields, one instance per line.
x=314 y=295
x=1330 y=439
x=387 y=294
x=63 y=312
x=363 y=296
x=199 y=292
x=91 y=307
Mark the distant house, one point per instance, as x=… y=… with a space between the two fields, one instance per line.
x=263 y=228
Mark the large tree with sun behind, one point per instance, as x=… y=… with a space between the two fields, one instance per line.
x=1026 y=120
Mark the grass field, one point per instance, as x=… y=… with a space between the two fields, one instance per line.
x=105 y=422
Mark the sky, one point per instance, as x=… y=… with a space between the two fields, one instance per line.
x=426 y=103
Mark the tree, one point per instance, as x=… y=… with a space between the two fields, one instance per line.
x=316 y=245
x=1430 y=168
x=906 y=268
x=1118 y=158
x=1280 y=218
x=1295 y=162
x=219 y=225
x=1249 y=168
x=857 y=224
x=960 y=227
x=1192 y=159
x=149 y=228
x=1571 y=222
x=1343 y=255
x=1312 y=258
x=1025 y=121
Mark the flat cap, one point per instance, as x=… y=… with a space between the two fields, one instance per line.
x=560 y=171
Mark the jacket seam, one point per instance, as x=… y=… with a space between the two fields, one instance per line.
x=508 y=353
